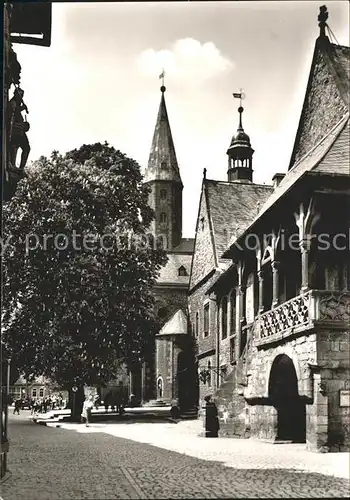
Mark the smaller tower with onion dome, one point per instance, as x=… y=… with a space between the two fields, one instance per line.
x=240 y=155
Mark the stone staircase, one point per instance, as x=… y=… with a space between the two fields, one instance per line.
x=230 y=400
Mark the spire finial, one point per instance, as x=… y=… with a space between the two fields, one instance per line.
x=204 y=173
x=322 y=20
x=240 y=95
x=161 y=77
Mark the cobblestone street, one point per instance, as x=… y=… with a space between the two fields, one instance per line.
x=75 y=462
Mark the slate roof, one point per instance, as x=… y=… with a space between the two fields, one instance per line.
x=176 y=325
x=339 y=59
x=232 y=206
x=186 y=245
x=330 y=155
x=337 y=159
x=40 y=380
x=170 y=272
x=336 y=59
x=162 y=163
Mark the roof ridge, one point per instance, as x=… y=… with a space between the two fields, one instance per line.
x=240 y=183
x=345 y=118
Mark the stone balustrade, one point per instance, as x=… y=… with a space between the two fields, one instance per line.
x=302 y=313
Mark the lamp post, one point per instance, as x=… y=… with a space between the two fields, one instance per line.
x=8 y=376
x=74 y=390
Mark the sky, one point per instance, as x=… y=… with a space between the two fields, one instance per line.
x=99 y=80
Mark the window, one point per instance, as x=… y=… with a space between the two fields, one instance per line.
x=33 y=393
x=202 y=224
x=161 y=242
x=232 y=350
x=197 y=324
x=163 y=194
x=233 y=312
x=206 y=320
x=209 y=374
x=163 y=218
x=41 y=392
x=163 y=164
x=182 y=271
x=224 y=318
x=162 y=312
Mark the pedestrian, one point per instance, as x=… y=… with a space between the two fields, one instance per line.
x=86 y=412
x=174 y=411
x=211 y=418
x=18 y=404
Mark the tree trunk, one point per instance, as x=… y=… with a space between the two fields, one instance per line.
x=75 y=403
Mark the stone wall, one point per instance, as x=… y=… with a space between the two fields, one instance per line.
x=203 y=258
x=172 y=299
x=334 y=361
x=171 y=205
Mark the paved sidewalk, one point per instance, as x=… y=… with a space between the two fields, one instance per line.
x=239 y=453
x=74 y=462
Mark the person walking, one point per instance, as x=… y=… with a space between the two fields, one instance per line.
x=18 y=405
x=86 y=413
x=211 y=418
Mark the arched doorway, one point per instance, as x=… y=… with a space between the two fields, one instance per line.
x=283 y=393
x=183 y=385
x=160 y=388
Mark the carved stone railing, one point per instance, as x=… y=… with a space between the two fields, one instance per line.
x=302 y=313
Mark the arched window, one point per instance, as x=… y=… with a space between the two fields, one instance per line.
x=163 y=194
x=209 y=374
x=206 y=320
x=182 y=271
x=224 y=318
x=233 y=312
x=163 y=218
x=162 y=312
x=197 y=324
x=161 y=242
x=163 y=164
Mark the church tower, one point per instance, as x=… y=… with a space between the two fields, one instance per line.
x=163 y=178
x=240 y=155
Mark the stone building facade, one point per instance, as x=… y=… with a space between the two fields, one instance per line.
x=280 y=288
x=162 y=177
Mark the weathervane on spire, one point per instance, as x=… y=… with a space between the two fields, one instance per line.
x=161 y=77
x=239 y=95
x=322 y=20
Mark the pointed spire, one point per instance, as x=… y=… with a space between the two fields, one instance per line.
x=162 y=163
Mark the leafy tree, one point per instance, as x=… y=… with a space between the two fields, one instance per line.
x=78 y=268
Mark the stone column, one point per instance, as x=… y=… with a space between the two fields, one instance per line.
x=304 y=249
x=275 y=279
x=143 y=380
x=317 y=425
x=239 y=318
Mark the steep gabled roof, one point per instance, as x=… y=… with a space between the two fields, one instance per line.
x=232 y=207
x=170 y=272
x=186 y=245
x=162 y=163
x=204 y=255
x=326 y=98
x=176 y=325
x=330 y=155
